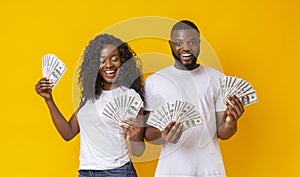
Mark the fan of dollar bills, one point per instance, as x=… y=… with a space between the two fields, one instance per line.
x=177 y=110
x=122 y=108
x=242 y=89
x=52 y=68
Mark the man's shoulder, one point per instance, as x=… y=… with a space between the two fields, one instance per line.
x=159 y=73
x=212 y=71
x=164 y=70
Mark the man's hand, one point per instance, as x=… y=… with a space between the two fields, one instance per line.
x=234 y=109
x=172 y=132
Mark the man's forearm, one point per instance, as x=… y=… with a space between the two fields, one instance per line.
x=153 y=136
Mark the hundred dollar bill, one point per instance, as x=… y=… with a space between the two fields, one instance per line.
x=57 y=73
x=248 y=98
x=231 y=85
x=180 y=111
x=122 y=108
x=191 y=123
x=133 y=108
x=156 y=125
x=52 y=68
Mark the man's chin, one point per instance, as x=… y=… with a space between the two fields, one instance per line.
x=186 y=66
x=186 y=62
x=190 y=64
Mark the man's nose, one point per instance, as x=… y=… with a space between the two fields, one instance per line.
x=185 y=46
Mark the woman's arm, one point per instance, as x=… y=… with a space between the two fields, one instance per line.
x=135 y=131
x=67 y=129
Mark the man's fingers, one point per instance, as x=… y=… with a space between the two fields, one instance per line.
x=235 y=109
x=174 y=133
x=131 y=121
x=175 y=138
x=169 y=126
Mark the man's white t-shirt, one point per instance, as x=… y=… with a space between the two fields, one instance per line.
x=197 y=153
x=102 y=141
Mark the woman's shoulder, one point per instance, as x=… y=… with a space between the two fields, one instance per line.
x=130 y=92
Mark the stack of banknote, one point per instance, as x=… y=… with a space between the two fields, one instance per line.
x=52 y=68
x=122 y=108
x=180 y=111
x=232 y=85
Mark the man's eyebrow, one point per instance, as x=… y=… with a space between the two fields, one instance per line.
x=183 y=39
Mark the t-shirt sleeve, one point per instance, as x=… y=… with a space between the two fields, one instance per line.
x=152 y=97
x=154 y=91
x=148 y=92
x=219 y=100
x=220 y=106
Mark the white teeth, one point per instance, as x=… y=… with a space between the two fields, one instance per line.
x=109 y=72
x=186 y=54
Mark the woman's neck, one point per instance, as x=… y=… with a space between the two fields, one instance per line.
x=110 y=86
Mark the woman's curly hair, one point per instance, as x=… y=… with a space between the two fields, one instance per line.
x=90 y=81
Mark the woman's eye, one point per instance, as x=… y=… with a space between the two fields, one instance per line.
x=115 y=59
x=102 y=61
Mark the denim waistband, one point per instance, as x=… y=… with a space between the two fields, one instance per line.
x=128 y=163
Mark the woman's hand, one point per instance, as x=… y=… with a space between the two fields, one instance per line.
x=132 y=130
x=44 y=88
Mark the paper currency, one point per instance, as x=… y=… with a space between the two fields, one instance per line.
x=52 y=68
x=191 y=123
x=122 y=108
x=242 y=89
x=177 y=110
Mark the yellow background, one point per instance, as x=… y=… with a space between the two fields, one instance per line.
x=255 y=40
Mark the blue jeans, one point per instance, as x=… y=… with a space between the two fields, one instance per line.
x=126 y=170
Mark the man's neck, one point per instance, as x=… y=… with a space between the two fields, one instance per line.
x=180 y=66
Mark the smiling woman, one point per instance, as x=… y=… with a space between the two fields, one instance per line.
x=104 y=55
x=109 y=69
x=110 y=62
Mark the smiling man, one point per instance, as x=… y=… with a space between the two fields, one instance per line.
x=185 y=46
x=195 y=151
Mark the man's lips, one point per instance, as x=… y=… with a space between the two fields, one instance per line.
x=186 y=56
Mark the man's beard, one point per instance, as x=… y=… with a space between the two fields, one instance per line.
x=191 y=66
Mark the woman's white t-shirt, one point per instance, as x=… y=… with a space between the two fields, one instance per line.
x=102 y=141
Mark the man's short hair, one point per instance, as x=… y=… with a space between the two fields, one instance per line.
x=184 y=24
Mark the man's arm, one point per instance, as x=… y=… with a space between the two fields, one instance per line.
x=171 y=133
x=227 y=120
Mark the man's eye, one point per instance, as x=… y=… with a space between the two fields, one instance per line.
x=192 y=43
x=178 y=43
